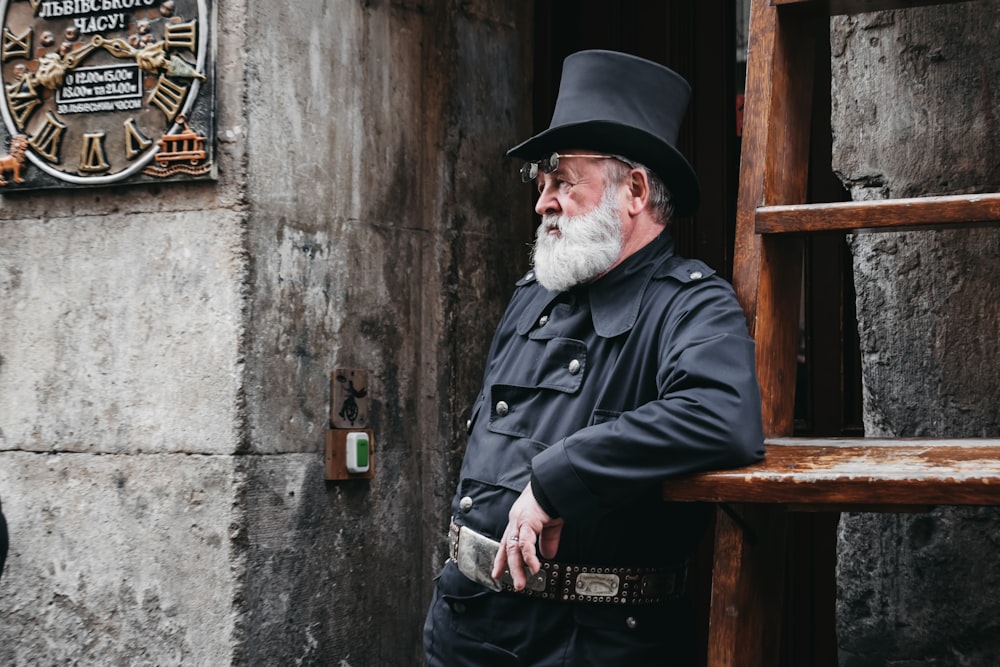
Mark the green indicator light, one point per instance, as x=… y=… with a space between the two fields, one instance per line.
x=359 y=448
x=362 y=452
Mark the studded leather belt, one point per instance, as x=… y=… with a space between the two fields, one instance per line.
x=473 y=553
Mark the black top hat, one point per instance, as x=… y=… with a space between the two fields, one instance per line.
x=617 y=103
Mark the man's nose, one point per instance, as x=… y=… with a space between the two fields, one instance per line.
x=548 y=203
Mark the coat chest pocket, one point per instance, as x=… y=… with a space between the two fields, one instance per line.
x=525 y=396
x=563 y=366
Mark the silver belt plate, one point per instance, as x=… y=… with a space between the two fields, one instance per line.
x=597 y=585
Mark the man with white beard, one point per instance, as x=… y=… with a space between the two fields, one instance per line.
x=616 y=365
x=574 y=250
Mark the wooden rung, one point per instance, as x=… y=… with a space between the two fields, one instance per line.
x=862 y=472
x=879 y=215
x=858 y=6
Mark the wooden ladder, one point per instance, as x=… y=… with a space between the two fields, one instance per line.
x=808 y=474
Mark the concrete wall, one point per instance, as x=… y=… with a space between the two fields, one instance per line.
x=165 y=351
x=389 y=240
x=916 y=96
x=121 y=373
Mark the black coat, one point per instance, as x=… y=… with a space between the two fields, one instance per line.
x=601 y=393
x=597 y=395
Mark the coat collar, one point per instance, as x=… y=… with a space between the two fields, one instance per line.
x=614 y=298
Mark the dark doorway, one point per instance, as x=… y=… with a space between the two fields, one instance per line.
x=697 y=40
x=701 y=40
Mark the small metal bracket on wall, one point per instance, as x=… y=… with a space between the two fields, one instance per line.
x=349 y=441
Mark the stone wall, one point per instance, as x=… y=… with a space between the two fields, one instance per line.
x=389 y=241
x=165 y=352
x=916 y=97
x=120 y=380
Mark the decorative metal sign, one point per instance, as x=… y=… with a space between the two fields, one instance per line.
x=99 y=92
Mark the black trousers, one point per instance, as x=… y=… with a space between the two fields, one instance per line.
x=469 y=626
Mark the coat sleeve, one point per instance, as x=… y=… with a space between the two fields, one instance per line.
x=707 y=415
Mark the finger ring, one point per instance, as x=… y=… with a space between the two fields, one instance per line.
x=512 y=538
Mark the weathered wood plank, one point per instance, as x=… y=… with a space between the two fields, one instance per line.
x=858 y=6
x=881 y=215
x=745 y=621
x=774 y=169
x=875 y=473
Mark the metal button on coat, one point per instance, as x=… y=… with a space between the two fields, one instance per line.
x=543 y=320
x=465 y=504
x=631 y=622
x=695 y=275
x=468 y=425
x=574 y=367
x=503 y=408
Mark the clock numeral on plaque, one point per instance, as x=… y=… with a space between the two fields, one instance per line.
x=181 y=36
x=22 y=100
x=135 y=141
x=47 y=142
x=16 y=46
x=168 y=96
x=92 y=158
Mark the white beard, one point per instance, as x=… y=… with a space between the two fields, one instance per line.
x=586 y=246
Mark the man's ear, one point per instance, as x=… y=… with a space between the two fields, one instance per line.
x=638 y=190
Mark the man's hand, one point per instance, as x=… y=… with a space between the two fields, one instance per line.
x=528 y=528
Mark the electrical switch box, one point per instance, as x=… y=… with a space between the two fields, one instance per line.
x=357 y=448
x=349 y=454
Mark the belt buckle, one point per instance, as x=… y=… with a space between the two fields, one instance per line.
x=474 y=555
x=453 y=534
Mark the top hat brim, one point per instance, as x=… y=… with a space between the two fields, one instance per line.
x=629 y=142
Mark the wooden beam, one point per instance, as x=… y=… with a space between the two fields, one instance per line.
x=774 y=170
x=884 y=474
x=832 y=7
x=881 y=215
x=745 y=622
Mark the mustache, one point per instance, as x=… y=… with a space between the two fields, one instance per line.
x=550 y=222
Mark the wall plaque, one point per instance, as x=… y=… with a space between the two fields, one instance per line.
x=101 y=92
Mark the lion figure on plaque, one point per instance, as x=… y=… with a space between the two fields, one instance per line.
x=12 y=162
